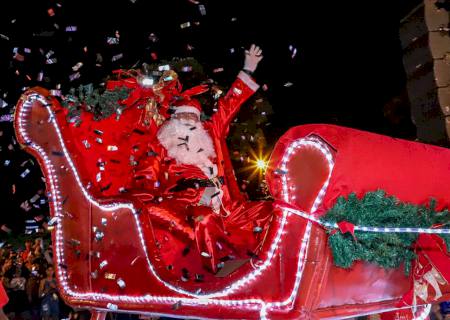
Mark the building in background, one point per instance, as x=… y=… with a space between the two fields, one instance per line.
x=425 y=37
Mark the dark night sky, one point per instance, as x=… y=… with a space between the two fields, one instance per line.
x=347 y=67
x=348 y=61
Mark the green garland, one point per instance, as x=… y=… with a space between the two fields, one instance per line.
x=375 y=209
x=101 y=104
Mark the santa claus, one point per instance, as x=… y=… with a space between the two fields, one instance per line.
x=194 y=176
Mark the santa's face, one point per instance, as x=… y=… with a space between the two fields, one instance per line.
x=187 y=141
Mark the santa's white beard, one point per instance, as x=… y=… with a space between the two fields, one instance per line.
x=186 y=144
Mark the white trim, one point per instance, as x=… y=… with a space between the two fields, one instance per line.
x=248 y=80
x=187 y=109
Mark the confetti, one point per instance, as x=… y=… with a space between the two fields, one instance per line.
x=199 y=277
x=152 y=37
x=117 y=57
x=25 y=206
x=71 y=28
x=184 y=278
x=217 y=70
x=86 y=144
x=51 y=61
x=293 y=51
x=2 y=36
x=56 y=93
x=205 y=254
x=94 y=274
x=176 y=306
x=45 y=34
x=74 y=76
x=121 y=283
x=95 y=254
x=25 y=173
x=257 y=229
x=19 y=57
x=103 y=264
x=77 y=66
x=51 y=12
x=112 y=40
x=288 y=84
x=185 y=25
x=6 y=229
x=112 y=306
x=3 y=103
x=202 y=9
x=110 y=276
x=165 y=67
x=99 y=235
x=34 y=198
x=49 y=54
x=58 y=153
x=6 y=118
x=53 y=221
x=104 y=221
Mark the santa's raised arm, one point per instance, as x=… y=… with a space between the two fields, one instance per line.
x=243 y=88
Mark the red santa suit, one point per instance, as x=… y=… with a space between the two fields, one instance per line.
x=208 y=192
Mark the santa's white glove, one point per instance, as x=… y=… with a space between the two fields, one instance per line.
x=252 y=58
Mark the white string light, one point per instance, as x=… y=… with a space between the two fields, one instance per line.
x=257 y=305
x=313 y=218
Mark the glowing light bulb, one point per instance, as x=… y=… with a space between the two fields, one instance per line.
x=261 y=164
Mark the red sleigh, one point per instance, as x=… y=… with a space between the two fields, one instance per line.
x=106 y=258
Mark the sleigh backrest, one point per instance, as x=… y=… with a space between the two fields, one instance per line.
x=361 y=162
x=82 y=217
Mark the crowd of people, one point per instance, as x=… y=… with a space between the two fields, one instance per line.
x=28 y=277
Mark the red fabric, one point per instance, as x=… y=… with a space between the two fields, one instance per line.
x=345 y=227
x=413 y=172
x=3 y=296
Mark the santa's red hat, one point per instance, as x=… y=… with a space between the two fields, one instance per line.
x=188 y=105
